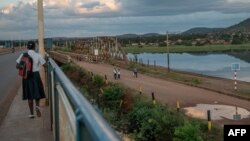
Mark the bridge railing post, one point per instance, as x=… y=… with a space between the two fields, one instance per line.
x=49 y=83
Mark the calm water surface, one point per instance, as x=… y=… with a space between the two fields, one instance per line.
x=209 y=64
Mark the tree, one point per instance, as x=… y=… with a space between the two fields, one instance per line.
x=238 y=38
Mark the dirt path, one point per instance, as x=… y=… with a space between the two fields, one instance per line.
x=166 y=91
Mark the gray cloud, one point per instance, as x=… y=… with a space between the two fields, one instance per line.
x=175 y=7
x=91 y=5
x=133 y=16
x=160 y=8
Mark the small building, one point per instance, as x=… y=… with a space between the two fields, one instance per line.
x=134 y=44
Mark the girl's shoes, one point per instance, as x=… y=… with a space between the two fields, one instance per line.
x=31 y=116
x=38 y=112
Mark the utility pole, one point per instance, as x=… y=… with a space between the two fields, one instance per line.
x=167 y=51
x=40 y=27
x=41 y=43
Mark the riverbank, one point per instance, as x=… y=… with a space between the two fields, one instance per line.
x=220 y=85
x=181 y=48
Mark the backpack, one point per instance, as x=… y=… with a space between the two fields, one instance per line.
x=25 y=66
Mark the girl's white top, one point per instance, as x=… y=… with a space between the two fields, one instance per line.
x=37 y=60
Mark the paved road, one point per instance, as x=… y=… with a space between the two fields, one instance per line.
x=9 y=81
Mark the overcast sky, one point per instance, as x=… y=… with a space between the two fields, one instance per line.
x=85 y=18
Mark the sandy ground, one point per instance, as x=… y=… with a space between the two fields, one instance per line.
x=169 y=92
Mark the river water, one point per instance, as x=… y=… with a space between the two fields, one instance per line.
x=212 y=64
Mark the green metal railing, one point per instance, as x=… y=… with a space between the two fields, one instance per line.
x=72 y=116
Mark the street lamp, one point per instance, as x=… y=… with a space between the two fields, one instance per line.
x=41 y=40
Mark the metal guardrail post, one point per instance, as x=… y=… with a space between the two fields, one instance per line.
x=56 y=114
x=78 y=126
x=82 y=133
x=49 y=70
x=54 y=106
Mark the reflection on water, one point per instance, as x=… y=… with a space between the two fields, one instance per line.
x=209 y=64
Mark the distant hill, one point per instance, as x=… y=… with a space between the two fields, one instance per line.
x=136 y=35
x=243 y=26
x=151 y=35
x=127 y=36
x=202 y=30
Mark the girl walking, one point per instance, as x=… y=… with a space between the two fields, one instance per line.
x=32 y=86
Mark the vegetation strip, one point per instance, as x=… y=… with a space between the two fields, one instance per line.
x=135 y=115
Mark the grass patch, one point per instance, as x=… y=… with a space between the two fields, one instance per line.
x=244 y=92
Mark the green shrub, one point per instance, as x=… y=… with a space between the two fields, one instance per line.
x=82 y=72
x=110 y=116
x=66 y=67
x=187 y=132
x=216 y=134
x=112 y=96
x=153 y=122
x=84 y=91
x=120 y=123
x=167 y=120
x=139 y=113
x=98 y=80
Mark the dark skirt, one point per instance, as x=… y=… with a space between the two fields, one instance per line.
x=33 y=87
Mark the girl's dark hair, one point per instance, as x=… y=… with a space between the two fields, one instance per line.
x=31 y=45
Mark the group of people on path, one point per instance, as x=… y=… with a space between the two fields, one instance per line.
x=117 y=73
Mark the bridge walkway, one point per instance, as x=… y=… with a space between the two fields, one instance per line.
x=18 y=127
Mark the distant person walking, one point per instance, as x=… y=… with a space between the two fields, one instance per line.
x=135 y=72
x=32 y=85
x=118 y=74
x=115 y=73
